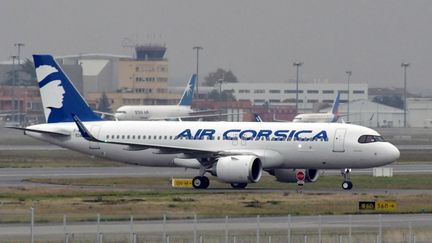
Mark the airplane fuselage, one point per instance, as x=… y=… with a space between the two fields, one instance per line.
x=315 y=117
x=279 y=145
x=151 y=112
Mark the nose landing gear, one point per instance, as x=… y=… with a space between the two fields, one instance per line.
x=346 y=184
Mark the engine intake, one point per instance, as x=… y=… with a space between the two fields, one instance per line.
x=238 y=169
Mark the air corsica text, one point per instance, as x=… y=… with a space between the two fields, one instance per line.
x=249 y=134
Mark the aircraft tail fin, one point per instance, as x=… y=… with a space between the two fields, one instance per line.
x=335 y=108
x=59 y=96
x=186 y=99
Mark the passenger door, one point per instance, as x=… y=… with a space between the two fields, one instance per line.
x=339 y=140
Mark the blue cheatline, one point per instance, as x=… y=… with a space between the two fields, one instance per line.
x=59 y=96
x=186 y=99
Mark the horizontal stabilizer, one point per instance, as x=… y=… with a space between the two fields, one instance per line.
x=59 y=133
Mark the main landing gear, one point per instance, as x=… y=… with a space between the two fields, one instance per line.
x=200 y=182
x=346 y=184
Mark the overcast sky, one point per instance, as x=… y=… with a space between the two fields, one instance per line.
x=257 y=40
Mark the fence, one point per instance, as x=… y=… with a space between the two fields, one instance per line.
x=292 y=229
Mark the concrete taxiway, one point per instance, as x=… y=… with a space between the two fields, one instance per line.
x=12 y=177
x=336 y=222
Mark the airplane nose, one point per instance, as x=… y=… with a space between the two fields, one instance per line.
x=392 y=153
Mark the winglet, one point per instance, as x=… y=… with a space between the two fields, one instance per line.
x=186 y=99
x=257 y=117
x=83 y=130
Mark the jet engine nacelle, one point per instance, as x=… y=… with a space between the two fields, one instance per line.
x=289 y=175
x=238 y=169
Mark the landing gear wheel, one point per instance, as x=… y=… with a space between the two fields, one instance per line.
x=347 y=185
x=239 y=185
x=200 y=182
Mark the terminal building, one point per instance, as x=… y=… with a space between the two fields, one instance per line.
x=310 y=94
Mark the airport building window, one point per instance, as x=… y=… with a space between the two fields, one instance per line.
x=274 y=91
x=343 y=91
x=312 y=92
x=358 y=91
x=328 y=91
x=290 y=91
x=244 y=91
x=312 y=101
x=259 y=91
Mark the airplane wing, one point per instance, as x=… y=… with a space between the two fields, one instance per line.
x=59 y=133
x=105 y=115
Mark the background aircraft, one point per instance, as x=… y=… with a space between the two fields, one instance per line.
x=331 y=116
x=234 y=152
x=160 y=112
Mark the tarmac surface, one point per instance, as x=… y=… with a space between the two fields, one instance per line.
x=15 y=177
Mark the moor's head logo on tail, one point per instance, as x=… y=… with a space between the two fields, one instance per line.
x=51 y=88
x=59 y=96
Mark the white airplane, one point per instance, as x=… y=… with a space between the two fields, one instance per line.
x=234 y=152
x=331 y=116
x=160 y=112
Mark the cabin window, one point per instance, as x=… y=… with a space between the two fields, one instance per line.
x=128 y=136
x=139 y=137
x=123 y=136
x=155 y=137
x=144 y=136
x=165 y=137
x=160 y=137
x=170 y=137
x=107 y=136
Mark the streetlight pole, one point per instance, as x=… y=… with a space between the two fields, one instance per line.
x=197 y=48
x=404 y=65
x=297 y=65
x=19 y=45
x=13 y=87
x=349 y=73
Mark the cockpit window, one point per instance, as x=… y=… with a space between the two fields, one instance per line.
x=370 y=139
x=121 y=112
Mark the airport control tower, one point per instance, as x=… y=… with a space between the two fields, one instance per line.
x=150 y=52
x=143 y=80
